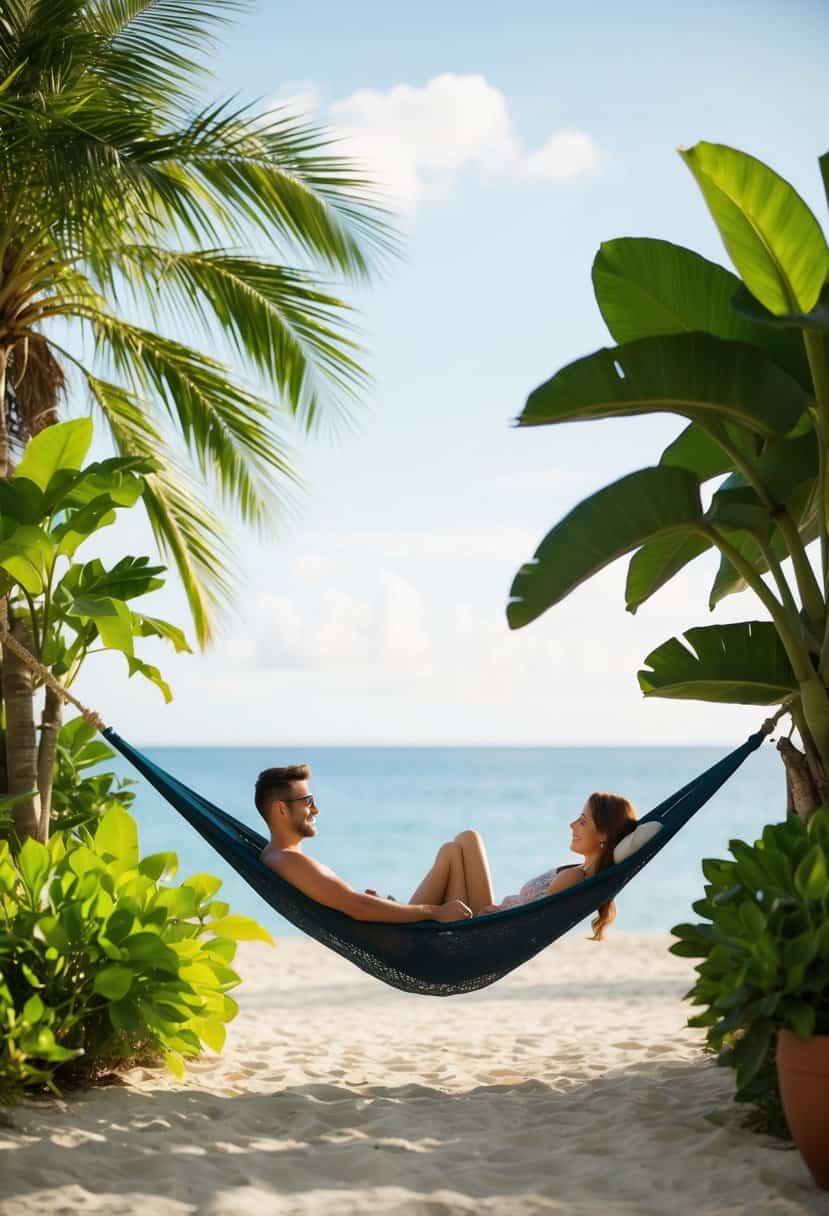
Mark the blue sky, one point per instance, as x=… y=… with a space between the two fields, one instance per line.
x=514 y=139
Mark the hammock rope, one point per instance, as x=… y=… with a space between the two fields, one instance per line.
x=17 y=648
x=427 y=958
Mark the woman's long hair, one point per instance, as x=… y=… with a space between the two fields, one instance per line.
x=614 y=818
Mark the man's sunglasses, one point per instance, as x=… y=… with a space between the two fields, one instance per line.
x=308 y=799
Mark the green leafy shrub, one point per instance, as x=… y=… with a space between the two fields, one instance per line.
x=764 y=943
x=101 y=961
x=80 y=798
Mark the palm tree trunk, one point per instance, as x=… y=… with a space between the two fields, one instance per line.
x=50 y=724
x=802 y=796
x=4 y=426
x=21 y=744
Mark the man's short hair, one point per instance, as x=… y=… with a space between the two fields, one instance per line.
x=276 y=783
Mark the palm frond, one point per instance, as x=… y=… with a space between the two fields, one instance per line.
x=226 y=428
x=272 y=174
x=277 y=317
x=142 y=43
x=185 y=530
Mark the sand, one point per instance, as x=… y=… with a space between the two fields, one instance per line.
x=573 y=1086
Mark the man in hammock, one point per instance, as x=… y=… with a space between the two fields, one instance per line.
x=285 y=803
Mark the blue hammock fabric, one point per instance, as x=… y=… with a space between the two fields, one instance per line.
x=429 y=958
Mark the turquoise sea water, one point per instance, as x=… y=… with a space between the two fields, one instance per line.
x=384 y=811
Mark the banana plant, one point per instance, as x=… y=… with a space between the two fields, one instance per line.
x=743 y=360
x=61 y=608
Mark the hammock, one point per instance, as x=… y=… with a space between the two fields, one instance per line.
x=426 y=957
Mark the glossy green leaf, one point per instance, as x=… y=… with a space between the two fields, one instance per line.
x=25 y=555
x=742 y=664
x=213 y=1032
x=62 y=446
x=119 y=479
x=771 y=236
x=811 y=879
x=240 y=929
x=695 y=375
x=175 y=1063
x=113 y=982
x=150 y=672
x=751 y=1051
x=21 y=500
x=640 y=507
x=34 y=864
x=657 y=562
x=646 y=287
x=152 y=627
x=124 y=1015
x=81 y=524
x=158 y=865
x=128 y=578
x=112 y=619
x=802 y=1018
x=117 y=838
x=204 y=885
x=33 y=1010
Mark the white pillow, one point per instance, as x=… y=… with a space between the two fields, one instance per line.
x=635 y=839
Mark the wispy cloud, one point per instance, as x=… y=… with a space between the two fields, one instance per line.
x=417 y=142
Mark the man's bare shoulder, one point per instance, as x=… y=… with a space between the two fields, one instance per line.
x=290 y=864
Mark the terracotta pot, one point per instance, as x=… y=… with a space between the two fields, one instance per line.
x=803 y=1074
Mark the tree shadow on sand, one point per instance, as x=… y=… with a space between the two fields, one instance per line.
x=630 y=1141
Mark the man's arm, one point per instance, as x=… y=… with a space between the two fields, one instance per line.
x=326 y=888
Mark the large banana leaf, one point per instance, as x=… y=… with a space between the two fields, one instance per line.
x=746 y=305
x=743 y=664
x=727 y=580
x=615 y=520
x=771 y=236
x=788 y=469
x=694 y=449
x=656 y=563
x=646 y=287
x=694 y=375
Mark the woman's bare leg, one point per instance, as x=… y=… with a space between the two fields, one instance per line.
x=445 y=880
x=476 y=870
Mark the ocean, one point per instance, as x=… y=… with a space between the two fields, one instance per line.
x=384 y=812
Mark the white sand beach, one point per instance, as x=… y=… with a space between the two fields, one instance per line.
x=573 y=1086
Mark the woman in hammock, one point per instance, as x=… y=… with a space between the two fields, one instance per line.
x=461 y=869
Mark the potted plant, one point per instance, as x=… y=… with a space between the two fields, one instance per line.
x=764 y=976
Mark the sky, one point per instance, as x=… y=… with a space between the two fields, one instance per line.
x=511 y=141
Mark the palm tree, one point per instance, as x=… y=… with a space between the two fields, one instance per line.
x=132 y=217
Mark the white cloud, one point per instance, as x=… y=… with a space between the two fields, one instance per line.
x=416 y=142
x=382 y=632
x=565 y=155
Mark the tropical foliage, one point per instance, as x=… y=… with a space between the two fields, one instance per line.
x=148 y=236
x=62 y=608
x=743 y=360
x=83 y=791
x=103 y=961
x=764 y=942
